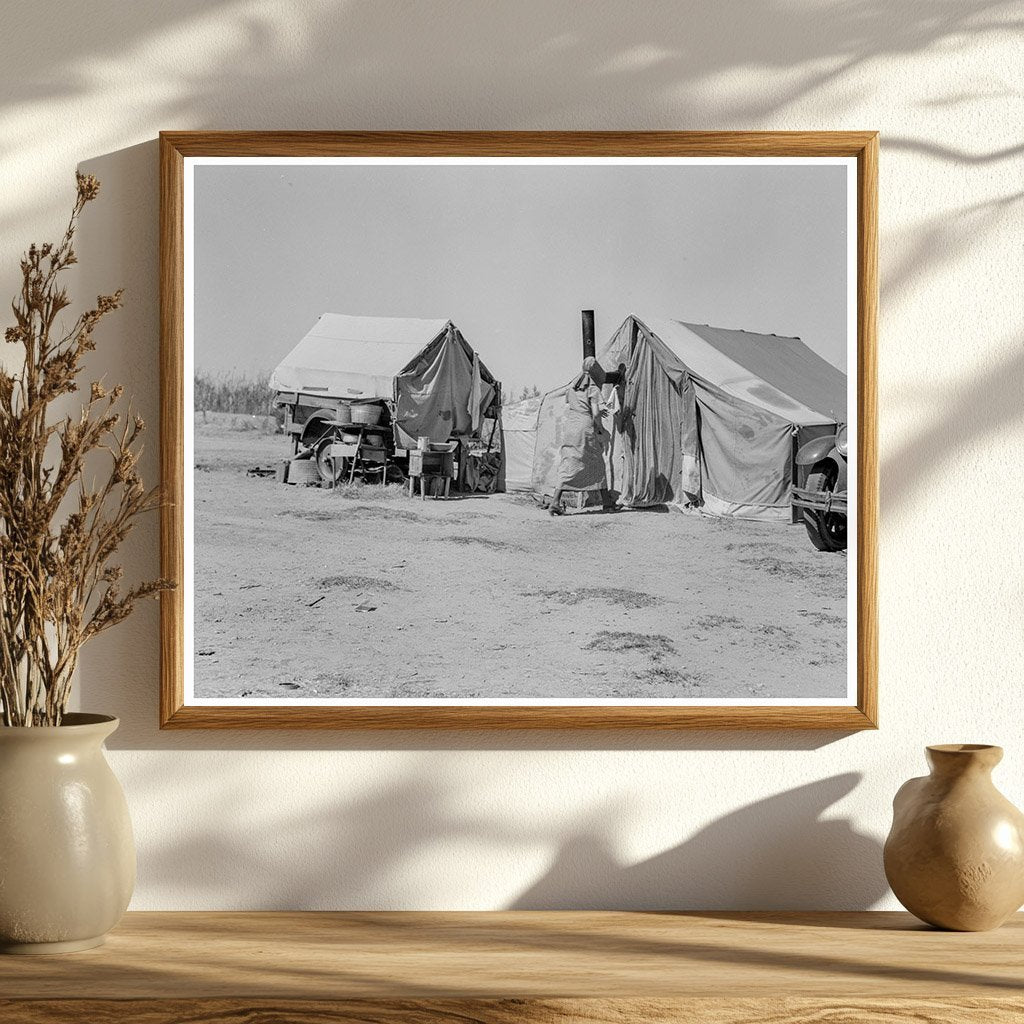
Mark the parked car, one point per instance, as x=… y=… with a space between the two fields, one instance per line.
x=821 y=500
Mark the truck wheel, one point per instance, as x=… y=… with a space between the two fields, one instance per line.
x=827 y=530
x=330 y=470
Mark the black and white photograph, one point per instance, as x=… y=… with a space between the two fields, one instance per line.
x=520 y=431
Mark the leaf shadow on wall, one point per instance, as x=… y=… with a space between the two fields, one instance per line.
x=302 y=58
x=991 y=403
x=403 y=843
x=371 y=64
x=777 y=853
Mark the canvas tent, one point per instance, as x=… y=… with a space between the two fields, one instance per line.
x=547 y=447
x=434 y=383
x=707 y=417
x=519 y=438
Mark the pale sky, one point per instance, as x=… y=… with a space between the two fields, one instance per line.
x=512 y=254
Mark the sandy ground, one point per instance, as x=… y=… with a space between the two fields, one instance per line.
x=303 y=592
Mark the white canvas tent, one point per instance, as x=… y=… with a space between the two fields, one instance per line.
x=519 y=438
x=712 y=417
x=434 y=382
x=709 y=417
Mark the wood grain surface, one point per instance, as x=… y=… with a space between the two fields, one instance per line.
x=175 y=147
x=516 y=1011
x=526 y=954
x=304 y=143
x=524 y=966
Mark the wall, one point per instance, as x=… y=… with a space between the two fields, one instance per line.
x=462 y=821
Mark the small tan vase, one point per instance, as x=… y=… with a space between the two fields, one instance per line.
x=955 y=855
x=67 y=856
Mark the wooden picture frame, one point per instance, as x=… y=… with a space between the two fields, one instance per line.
x=178 y=147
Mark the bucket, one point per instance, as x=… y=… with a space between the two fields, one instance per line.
x=343 y=414
x=303 y=471
x=367 y=413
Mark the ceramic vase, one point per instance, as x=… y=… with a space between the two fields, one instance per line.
x=955 y=855
x=67 y=855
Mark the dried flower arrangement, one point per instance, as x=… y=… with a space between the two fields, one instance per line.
x=58 y=533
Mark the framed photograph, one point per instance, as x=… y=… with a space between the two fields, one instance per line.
x=519 y=430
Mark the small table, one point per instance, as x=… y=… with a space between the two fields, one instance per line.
x=430 y=465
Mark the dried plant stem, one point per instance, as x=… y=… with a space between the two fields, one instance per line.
x=58 y=586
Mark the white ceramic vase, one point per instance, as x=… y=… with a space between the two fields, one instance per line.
x=67 y=855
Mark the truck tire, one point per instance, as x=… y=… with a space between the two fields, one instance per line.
x=827 y=530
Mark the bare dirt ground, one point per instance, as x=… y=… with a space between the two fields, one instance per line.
x=363 y=592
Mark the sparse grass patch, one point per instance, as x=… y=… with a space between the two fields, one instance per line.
x=632 y=599
x=774 y=566
x=655 y=645
x=522 y=498
x=828 y=575
x=665 y=675
x=823 y=618
x=484 y=542
x=356 y=583
x=399 y=515
x=777 y=636
x=336 y=515
x=768 y=629
x=725 y=523
x=359 y=489
x=717 y=622
x=331 y=684
x=311 y=515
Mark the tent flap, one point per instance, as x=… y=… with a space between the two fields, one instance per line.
x=650 y=427
x=746 y=453
x=434 y=396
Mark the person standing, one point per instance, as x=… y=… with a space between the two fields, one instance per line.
x=581 y=463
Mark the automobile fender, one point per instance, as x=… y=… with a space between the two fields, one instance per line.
x=816 y=449
x=310 y=429
x=841 y=475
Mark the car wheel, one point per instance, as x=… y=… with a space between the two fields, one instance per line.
x=827 y=530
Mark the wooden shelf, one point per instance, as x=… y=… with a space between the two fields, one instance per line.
x=500 y=968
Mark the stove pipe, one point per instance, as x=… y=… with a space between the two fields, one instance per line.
x=589 y=345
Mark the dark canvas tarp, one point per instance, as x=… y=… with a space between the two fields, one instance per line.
x=436 y=382
x=443 y=393
x=709 y=415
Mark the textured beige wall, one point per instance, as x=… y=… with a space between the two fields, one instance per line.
x=699 y=820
